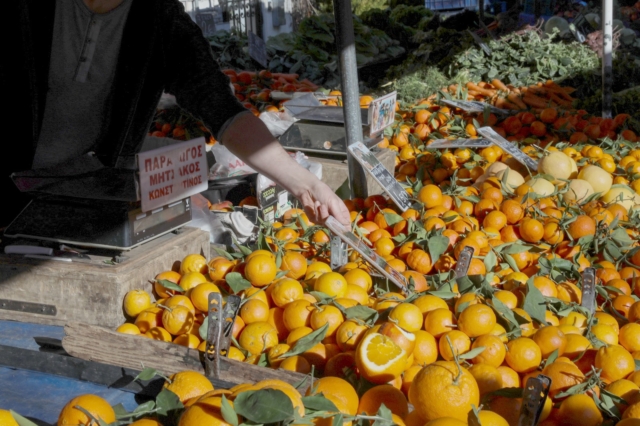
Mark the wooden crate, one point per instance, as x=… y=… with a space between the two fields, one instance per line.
x=92 y=292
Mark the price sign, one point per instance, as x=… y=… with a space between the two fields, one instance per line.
x=509 y=147
x=365 y=251
x=373 y=166
x=172 y=173
x=206 y=22
x=459 y=143
x=382 y=113
x=258 y=49
x=474 y=106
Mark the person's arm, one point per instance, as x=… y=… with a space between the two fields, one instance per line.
x=249 y=139
x=195 y=78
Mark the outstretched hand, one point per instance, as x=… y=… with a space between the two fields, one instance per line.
x=320 y=202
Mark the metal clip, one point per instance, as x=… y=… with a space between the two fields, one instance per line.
x=533 y=398
x=589 y=289
x=338 y=253
x=220 y=326
x=464 y=260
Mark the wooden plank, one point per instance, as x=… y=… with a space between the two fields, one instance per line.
x=98 y=344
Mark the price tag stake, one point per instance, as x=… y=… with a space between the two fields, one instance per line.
x=509 y=147
x=533 y=399
x=464 y=260
x=338 y=253
x=589 y=290
x=220 y=326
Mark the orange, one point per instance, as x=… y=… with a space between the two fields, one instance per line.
x=172 y=276
x=258 y=337
x=326 y=314
x=260 y=270
x=438 y=322
x=452 y=344
x=419 y=261
x=407 y=316
x=531 y=230
x=332 y=284
x=349 y=334
x=358 y=277
x=149 y=318
x=581 y=227
x=392 y=398
x=630 y=337
x=188 y=384
x=146 y=422
x=579 y=409
x=297 y=364
x=626 y=390
x=178 y=320
x=200 y=295
x=476 y=320
x=286 y=291
x=426 y=348
x=487 y=376
x=489 y=418
x=297 y=314
x=136 y=301
x=298 y=334
x=428 y=303
x=379 y=359
x=338 y=391
x=188 y=340
x=615 y=361
x=179 y=300
x=128 y=328
x=254 y=310
x=295 y=263
x=576 y=345
x=444 y=389
x=204 y=412
x=563 y=375
x=194 y=263
x=523 y=355
x=510 y=378
x=550 y=339
x=419 y=281
x=95 y=405
x=192 y=279
x=494 y=350
x=430 y=195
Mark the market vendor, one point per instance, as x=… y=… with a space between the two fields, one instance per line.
x=87 y=76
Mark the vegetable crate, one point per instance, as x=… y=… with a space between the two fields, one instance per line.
x=450 y=4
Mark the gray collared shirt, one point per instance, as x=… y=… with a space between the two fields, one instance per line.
x=84 y=57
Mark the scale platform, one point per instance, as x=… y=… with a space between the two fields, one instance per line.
x=104 y=224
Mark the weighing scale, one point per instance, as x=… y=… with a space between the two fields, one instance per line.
x=320 y=129
x=96 y=208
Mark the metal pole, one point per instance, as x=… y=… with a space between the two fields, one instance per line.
x=607 y=57
x=345 y=41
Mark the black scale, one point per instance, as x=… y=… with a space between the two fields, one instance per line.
x=98 y=208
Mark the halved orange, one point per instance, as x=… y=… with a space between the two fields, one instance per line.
x=379 y=359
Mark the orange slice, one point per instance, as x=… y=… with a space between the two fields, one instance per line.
x=379 y=359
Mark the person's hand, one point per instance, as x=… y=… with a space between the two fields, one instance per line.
x=319 y=201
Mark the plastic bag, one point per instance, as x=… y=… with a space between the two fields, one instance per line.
x=227 y=164
x=277 y=122
x=167 y=101
x=202 y=218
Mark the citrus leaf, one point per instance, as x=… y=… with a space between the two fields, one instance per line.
x=472 y=353
x=307 y=342
x=505 y=313
x=511 y=261
x=437 y=245
x=170 y=285
x=228 y=413
x=490 y=261
x=552 y=357
x=263 y=361
x=516 y=249
x=21 y=420
x=392 y=218
x=360 y=312
x=147 y=374
x=443 y=294
x=91 y=416
x=384 y=413
x=223 y=253
x=318 y=403
x=337 y=420
x=203 y=331
x=320 y=296
x=281 y=274
x=120 y=411
x=167 y=401
x=236 y=282
x=145 y=408
x=264 y=406
x=472 y=417
x=534 y=303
